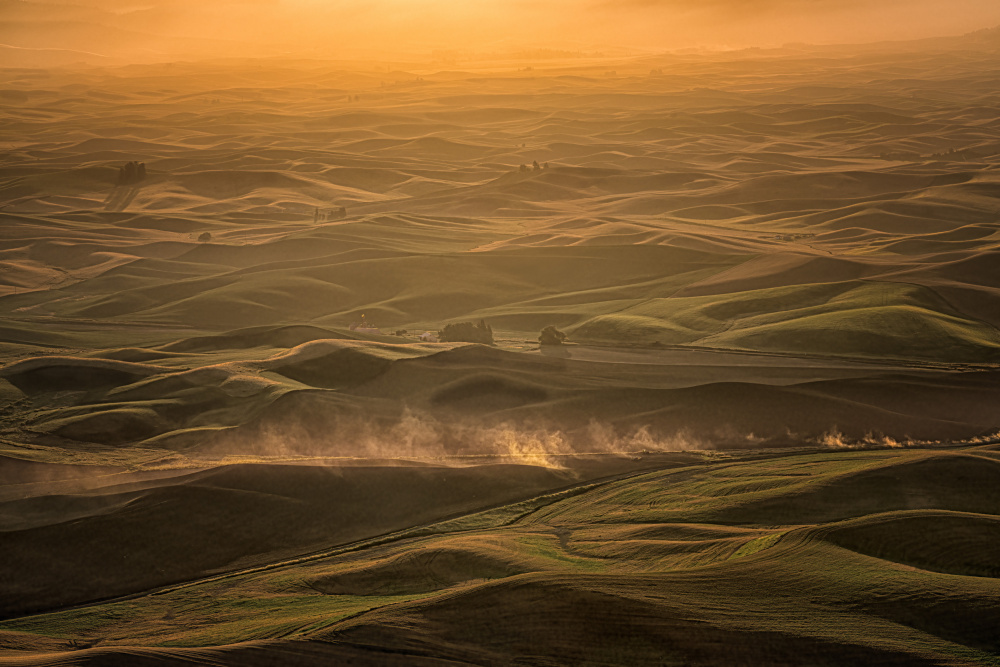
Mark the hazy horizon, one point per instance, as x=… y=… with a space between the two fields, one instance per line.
x=158 y=30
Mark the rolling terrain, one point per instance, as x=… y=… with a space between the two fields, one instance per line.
x=823 y=558
x=770 y=439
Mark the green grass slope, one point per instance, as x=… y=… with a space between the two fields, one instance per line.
x=881 y=320
x=698 y=566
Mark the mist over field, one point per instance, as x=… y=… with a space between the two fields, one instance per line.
x=576 y=332
x=164 y=30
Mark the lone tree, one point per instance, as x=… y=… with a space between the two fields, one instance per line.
x=204 y=237
x=467 y=332
x=133 y=172
x=551 y=336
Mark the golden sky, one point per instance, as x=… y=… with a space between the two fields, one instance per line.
x=336 y=27
x=662 y=24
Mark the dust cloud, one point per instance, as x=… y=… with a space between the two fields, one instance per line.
x=422 y=437
x=419 y=437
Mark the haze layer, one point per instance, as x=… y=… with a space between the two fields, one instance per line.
x=117 y=32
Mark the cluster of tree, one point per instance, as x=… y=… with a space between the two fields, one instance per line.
x=950 y=154
x=912 y=156
x=133 y=172
x=551 y=336
x=326 y=214
x=467 y=332
x=534 y=167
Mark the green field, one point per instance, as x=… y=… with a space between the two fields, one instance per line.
x=885 y=556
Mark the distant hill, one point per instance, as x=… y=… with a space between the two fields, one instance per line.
x=170 y=30
x=38 y=34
